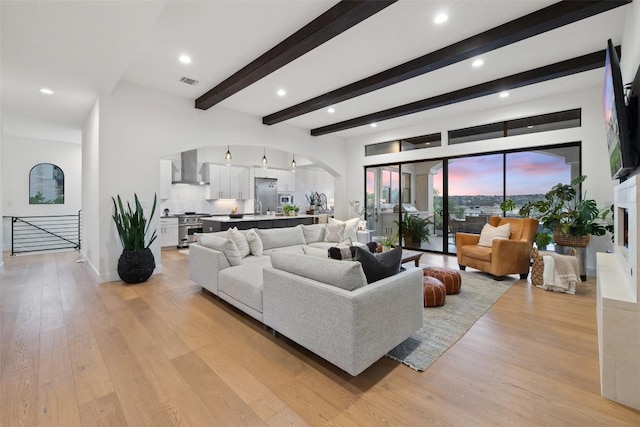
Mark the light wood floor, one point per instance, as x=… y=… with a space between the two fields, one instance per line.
x=73 y=352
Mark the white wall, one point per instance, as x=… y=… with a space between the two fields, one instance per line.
x=138 y=127
x=20 y=154
x=90 y=190
x=599 y=185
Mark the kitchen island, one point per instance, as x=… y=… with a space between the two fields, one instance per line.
x=222 y=223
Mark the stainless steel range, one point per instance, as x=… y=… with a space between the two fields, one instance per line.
x=189 y=223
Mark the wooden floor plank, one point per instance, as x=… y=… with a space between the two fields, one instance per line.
x=104 y=411
x=74 y=352
x=57 y=401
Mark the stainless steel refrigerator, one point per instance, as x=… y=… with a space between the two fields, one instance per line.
x=266 y=195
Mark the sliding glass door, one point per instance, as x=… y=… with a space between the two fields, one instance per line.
x=459 y=194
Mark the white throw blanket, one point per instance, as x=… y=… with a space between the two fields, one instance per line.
x=561 y=273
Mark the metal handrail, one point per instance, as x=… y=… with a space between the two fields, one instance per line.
x=45 y=233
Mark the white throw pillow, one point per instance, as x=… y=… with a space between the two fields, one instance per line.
x=490 y=233
x=350 y=227
x=240 y=240
x=334 y=233
x=255 y=244
x=226 y=246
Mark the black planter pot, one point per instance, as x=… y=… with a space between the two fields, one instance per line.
x=136 y=266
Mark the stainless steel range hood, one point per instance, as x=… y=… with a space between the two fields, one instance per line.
x=189 y=169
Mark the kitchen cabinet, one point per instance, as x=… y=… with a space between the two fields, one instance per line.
x=286 y=181
x=168 y=232
x=166 y=176
x=265 y=173
x=228 y=182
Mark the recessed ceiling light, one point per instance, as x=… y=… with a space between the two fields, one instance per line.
x=331 y=110
x=185 y=59
x=46 y=91
x=504 y=94
x=373 y=125
x=281 y=92
x=441 y=18
x=477 y=63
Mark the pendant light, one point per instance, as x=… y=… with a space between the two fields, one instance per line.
x=227 y=157
x=264 y=158
x=293 y=163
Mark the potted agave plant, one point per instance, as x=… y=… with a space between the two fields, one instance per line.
x=136 y=264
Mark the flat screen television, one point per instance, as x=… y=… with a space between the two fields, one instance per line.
x=623 y=155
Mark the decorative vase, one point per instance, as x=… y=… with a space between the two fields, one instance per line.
x=292 y=213
x=136 y=266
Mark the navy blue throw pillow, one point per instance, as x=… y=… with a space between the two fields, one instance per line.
x=379 y=266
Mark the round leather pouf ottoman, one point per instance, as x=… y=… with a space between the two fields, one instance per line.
x=451 y=278
x=434 y=292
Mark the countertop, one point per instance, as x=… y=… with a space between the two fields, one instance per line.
x=254 y=218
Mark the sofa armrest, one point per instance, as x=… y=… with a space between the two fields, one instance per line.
x=204 y=265
x=351 y=329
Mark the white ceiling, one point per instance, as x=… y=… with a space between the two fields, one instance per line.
x=81 y=50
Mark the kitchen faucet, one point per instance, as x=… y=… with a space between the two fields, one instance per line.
x=257 y=203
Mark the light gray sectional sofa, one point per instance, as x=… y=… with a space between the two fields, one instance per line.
x=323 y=304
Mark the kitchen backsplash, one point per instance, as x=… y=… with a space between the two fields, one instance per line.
x=191 y=198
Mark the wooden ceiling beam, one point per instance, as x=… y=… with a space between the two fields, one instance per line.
x=559 y=69
x=334 y=21
x=538 y=22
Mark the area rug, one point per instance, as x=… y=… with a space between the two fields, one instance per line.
x=444 y=326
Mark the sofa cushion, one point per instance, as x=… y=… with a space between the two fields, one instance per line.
x=240 y=240
x=243 y=283
x=379 y=266
x=226 y=246
x=255 y=244
x=293 y=249
x=316 y=252
x=347 y=275
x=490 y=233
x=482 y=253
x=313 y=233
x=279 y=237
x=350 y=227
x=334 y=233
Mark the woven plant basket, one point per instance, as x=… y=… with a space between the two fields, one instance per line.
x=563 y=239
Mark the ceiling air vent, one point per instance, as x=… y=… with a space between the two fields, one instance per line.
x=189 y=81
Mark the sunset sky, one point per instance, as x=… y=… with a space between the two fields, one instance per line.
x=527 y=173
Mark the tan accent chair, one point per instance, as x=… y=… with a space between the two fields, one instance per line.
x=504 y=257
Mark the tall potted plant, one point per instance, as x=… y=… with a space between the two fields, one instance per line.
x=136 y=263
x=414 y=229
x=571 y=220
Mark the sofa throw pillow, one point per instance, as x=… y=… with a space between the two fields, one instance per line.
x=350 y=227
x=313 y=233
x=240 y=240
x=345 y=253
x=489 y=233
x=314 y=252
x=334 y=233
x=379 y=266
x=226 y=246
x=255 y=244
